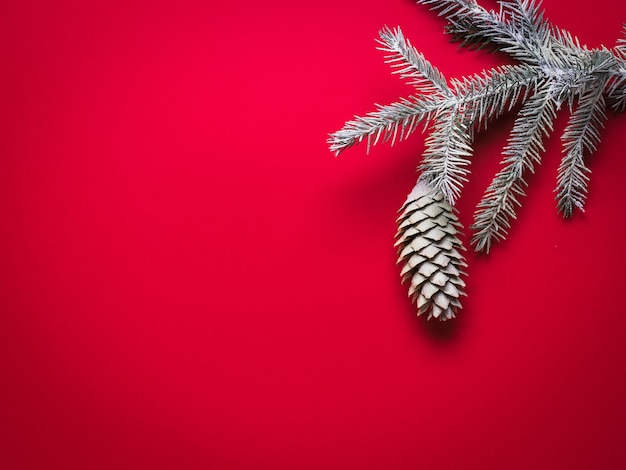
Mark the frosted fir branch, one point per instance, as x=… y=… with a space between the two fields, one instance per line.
x=411 y=64
x=616 y=92
x=446 y=159
x=388 y=123
x=518 y=29
x=522 y=153
x=475 y=26
x=528 y=15
x=554 y=68
x=581 y=136
x=530 y=33
x=569 y=41
x=398 y=120
x=488 y=95
x=478 y=99
x=469 y=23
x=585 y=71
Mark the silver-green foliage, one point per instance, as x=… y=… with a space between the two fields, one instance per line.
x=553 y=70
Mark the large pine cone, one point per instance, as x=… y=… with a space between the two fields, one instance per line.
x=431 y=252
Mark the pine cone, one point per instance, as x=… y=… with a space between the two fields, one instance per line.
x=429 y=247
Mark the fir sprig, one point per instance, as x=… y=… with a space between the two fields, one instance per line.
x=522 y=153
x=581 y=137
x=411 y=64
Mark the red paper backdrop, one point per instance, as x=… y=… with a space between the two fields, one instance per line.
x=189 y=279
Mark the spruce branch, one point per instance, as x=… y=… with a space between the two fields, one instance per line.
x=617 y=84
x=518 y=28
x=391 y=122
x=552 y=69
x=617 y=90
x=581 y=136
x=523 y=151
x=446 y=159
x=411 y=64
x=487 y=95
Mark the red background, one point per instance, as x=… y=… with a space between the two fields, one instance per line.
x=189 y=279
